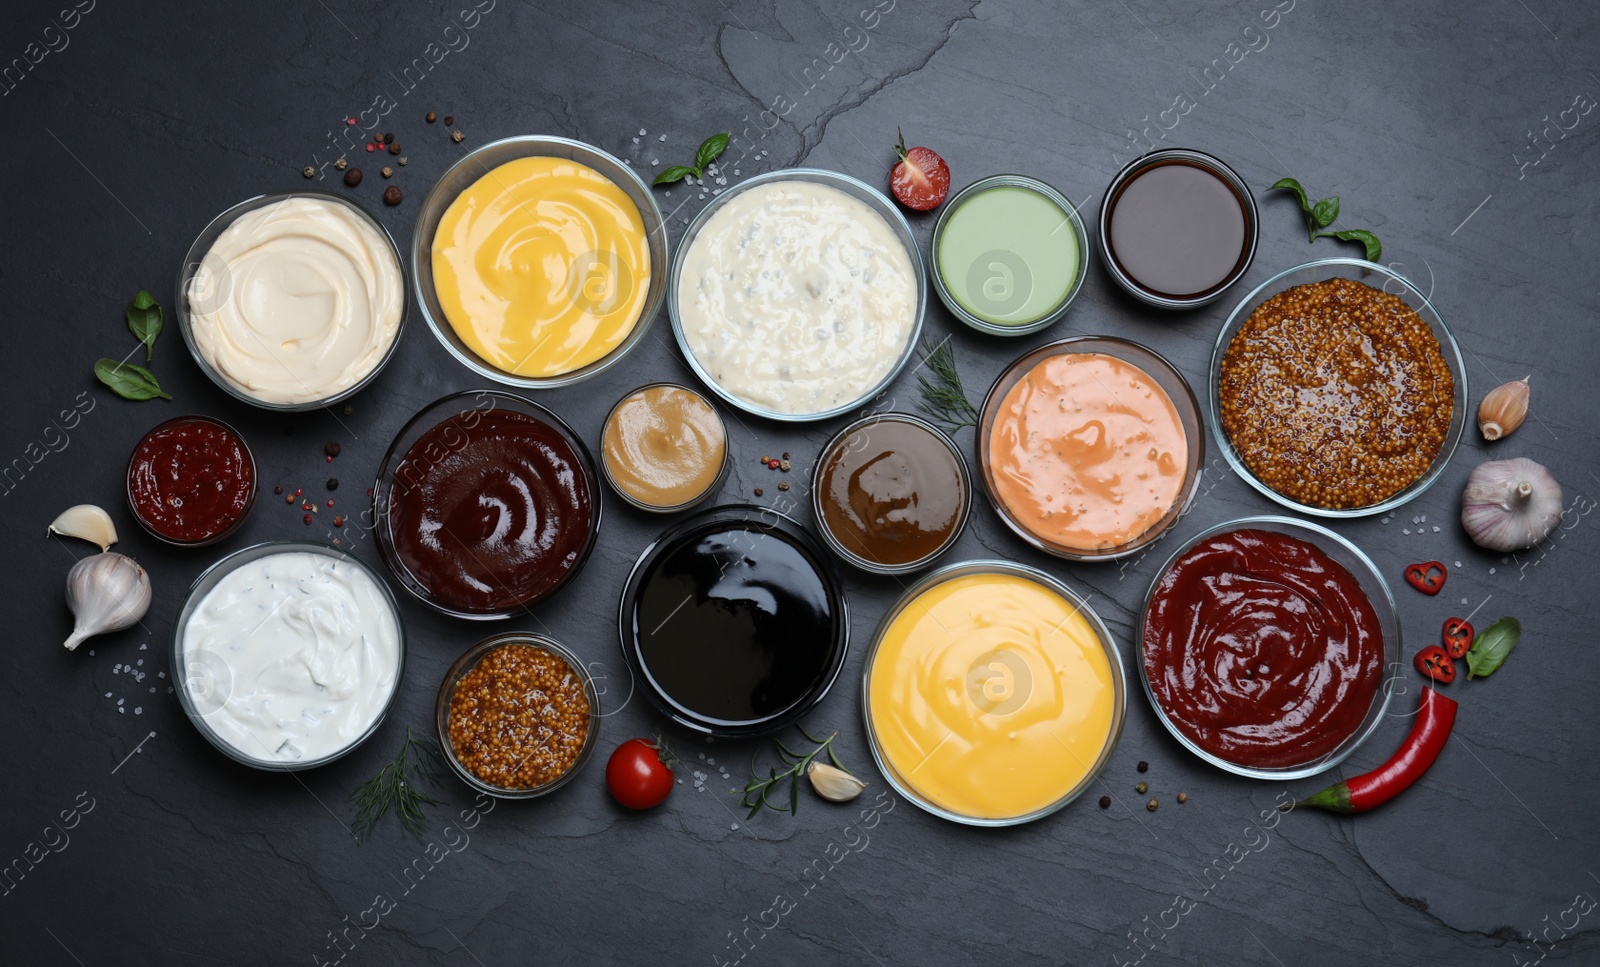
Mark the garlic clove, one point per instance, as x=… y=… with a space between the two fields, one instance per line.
x=1510 y=505
x=88 y=522
x=106 y=592
x=1503 y=409
x=833 y=784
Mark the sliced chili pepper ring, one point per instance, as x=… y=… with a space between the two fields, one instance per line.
x=1434 y=662
x=1427 y=577
x=1457 y=637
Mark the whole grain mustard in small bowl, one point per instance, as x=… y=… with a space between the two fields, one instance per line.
x=517 y=715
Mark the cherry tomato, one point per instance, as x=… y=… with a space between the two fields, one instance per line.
x=1436 y=663
x=921 y=179
x=1457 y=637
x=639 y=773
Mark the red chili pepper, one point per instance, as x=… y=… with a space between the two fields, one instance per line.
x=1458 y=636
x=1436 y=715
x=1436 y=663
x=1422 y=576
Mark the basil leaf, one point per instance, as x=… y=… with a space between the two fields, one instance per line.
x=1490 y=648
x=1325 y=211
x=128 y=381
x=1370 y=241
x=672 y=174
x=144 y=320
x=710 y=150
x=1289 y=184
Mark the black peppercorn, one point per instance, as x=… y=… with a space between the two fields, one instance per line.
x=1105 y=802
x=392 y=195
x=352 y=177
x=331 y=448
x=333 y=483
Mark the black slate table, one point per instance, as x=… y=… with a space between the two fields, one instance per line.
x=1463 y=134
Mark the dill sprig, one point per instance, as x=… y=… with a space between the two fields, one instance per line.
x=759 y=787
x=395 y=787
x=943 y=398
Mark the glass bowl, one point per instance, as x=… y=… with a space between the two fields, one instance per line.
x=1006 y=568
x=713 y=487
x=463 y=404
x=1158 y=369
x=255 y=484
x=1379 y=277
x=1007 y=264
x=963 y=478
x=1212 y=165
x=476 y=164
x=202 y=246
x=1377 y=592
x=855 y=189
x=465 y=664
x=204 y=681
x=760 y=521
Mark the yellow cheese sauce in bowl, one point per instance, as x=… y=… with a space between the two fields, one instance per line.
x=539 y=261
x=993 y=694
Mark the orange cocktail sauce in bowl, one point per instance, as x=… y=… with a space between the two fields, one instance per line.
x=1086 y=452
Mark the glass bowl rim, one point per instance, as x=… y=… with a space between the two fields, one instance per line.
x=1197 y=443
x=433 y=200
x=1056 y=197
x=392 y=459
x=1080 y=604
x=854 y=187
x=226 y=565
x=214 y=229
x=837 y=546
x=469 y=660
x=1449 y=349
x=1318 y=535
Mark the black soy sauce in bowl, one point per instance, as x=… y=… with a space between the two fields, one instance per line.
x=733 y=622
x=1177 y=228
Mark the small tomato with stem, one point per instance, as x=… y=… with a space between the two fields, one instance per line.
x=639 y=773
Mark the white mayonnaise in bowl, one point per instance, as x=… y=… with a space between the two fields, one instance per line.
x=288 y=654
x=798 y=294
x=293 y=300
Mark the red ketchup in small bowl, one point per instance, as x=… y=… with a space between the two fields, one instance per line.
x=191 y=480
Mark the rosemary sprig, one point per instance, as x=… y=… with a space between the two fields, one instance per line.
x=943 y=398
x=395 y=787
x=760 y=787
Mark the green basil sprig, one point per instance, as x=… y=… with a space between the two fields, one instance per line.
x=1321 y=214
x=144 y=320
x=710 y=150
x=1490 y=648
x=128 y=381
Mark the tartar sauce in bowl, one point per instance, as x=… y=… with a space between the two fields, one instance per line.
x=290 y=657
x=797 y=298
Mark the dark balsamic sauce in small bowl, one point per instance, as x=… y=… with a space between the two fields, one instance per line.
x=733 y=622
x=1177 y=228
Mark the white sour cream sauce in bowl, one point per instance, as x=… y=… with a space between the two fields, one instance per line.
x=288 y=654
x=798 y=295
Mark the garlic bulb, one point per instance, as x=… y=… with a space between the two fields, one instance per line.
x=1503 y=409
x=106 y=592
x=1510 y=504
x=88 y=522
x=833 y=784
